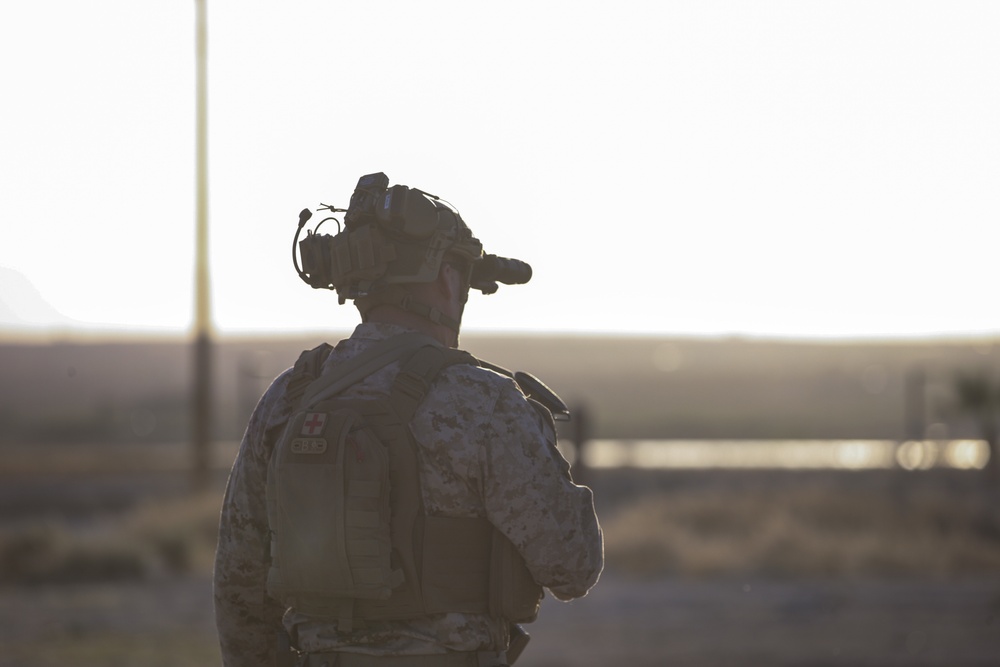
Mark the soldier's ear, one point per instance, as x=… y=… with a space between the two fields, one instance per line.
x=450 y=281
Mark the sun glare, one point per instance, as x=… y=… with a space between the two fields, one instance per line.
x=788 y=454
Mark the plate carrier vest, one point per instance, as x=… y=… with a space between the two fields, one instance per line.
x=350 y=538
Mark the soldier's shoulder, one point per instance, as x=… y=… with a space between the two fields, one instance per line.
x=273 y=409
x=468 y=382
x=473 y=373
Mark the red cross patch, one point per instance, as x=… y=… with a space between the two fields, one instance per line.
x=314 y=422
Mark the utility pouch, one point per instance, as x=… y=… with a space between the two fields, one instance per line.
x=328 y=505
x=518 y=642
x=284 y=656
x=514 y=595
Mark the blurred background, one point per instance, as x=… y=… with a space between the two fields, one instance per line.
x=764 y=249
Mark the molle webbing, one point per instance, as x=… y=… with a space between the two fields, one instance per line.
x=454 y=576
x=328 y=505
x=446 y=567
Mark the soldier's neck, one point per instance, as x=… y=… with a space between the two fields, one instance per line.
x=388 y=314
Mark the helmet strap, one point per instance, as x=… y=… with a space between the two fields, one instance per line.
x=394 y=296
x=425 y=311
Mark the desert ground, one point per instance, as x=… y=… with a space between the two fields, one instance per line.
x=703 y=568
x=105 y=551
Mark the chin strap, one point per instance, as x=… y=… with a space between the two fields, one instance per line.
x=425 y=311
x=394 y=296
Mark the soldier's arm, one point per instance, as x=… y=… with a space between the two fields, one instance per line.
x=530 y=496
x=247 y=618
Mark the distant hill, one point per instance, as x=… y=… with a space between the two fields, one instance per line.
x=633 y=387
x=22 y=306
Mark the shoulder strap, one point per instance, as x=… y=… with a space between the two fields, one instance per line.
x=418 y=373
x=353 y=370
x=307 y=368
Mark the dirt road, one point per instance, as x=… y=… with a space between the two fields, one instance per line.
x=623 y=622
x=703 y=623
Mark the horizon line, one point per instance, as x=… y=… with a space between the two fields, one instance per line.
x=99 y=334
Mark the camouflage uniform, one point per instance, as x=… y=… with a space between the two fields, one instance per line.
x=484 y=452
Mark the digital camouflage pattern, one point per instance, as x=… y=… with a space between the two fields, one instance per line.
x=485 y=451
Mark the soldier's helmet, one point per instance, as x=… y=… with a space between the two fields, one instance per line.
x=392 y=236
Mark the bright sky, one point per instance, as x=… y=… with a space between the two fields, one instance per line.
x=762 y=168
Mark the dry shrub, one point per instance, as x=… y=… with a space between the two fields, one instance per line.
x=162 y=537
x=51 y=554
x=816 y=530
x=182 y=533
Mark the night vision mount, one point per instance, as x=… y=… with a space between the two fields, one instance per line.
x=394 y=235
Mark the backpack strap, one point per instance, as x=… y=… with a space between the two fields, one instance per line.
x=418 y=373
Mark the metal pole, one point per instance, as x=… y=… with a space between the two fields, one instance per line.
x=202 y=390
x=915 y=405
